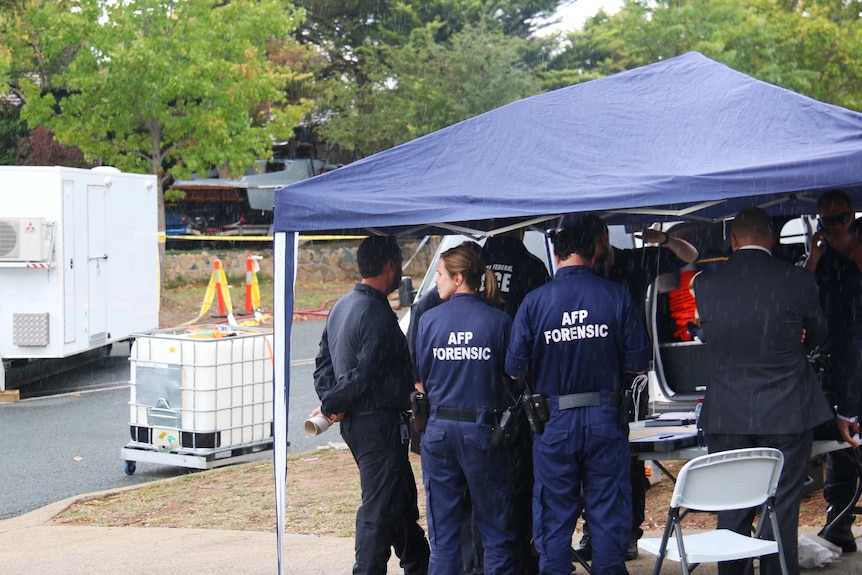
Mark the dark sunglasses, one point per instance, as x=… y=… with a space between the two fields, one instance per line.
x=844 y=218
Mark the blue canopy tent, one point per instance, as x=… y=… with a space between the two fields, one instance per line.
x=687 y=138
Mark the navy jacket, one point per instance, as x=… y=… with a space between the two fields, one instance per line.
x=577 y=334
x=363 y=363
x=518 y=271
x=461 y=347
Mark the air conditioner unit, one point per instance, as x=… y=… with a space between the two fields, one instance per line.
x=24 y=239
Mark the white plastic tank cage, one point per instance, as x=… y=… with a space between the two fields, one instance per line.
x=201 y=396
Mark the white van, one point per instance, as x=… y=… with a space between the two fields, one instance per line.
x=678 y=371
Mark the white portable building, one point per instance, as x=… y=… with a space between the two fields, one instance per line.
x=79 y=262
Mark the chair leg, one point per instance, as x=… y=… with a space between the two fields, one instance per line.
x=672 y=519
x=852 y=506
x=774 y=519
x=683 y=558
x=582 y=561
x=767 y=513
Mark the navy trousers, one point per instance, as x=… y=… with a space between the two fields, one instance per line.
x=389 y=514
x=456 y=456
x=584 y=448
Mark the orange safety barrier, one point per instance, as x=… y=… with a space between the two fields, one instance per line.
x=216 y=289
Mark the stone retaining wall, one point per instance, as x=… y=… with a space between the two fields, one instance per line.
x=318 y=263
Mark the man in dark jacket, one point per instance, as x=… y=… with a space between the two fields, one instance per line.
x=364 y=377
x=760 y=315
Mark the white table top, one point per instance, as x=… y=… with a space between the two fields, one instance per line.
x=638 y=430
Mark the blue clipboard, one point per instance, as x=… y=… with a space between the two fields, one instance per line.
x=663 y=442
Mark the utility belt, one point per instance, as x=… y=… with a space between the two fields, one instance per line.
x=500 y=422
x=468 y=415
x=421 y=411
x=588 y=399
x=537 y=407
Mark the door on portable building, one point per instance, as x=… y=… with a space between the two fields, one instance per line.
x=97 y=265
x=70 y=313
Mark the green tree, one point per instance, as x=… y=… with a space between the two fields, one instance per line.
x=828 y=46
x=812 y=47
x=168 y=87
x=340 y=28
x=425 y=85
x=373 y=92
x=12 y=129
x=31 y=50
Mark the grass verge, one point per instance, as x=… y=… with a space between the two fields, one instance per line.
x=322 y=497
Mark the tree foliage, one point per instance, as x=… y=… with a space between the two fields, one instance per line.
x=39 y=148
x=396 y=70
x=173 y=87
x=340 y=28
x=12 y=129
x=425 y=85
x=165 y=86
x=33 y=50
x=813 y=47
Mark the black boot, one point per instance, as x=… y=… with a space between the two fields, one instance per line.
x=585 y=548
x=840 y=533
x=632 y=550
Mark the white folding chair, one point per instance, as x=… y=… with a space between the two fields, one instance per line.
x=722 y=481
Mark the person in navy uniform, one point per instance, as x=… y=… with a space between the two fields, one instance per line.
x=518 y=272
x=636 y=269
x=364 y=378
x=576 y=336
x=471 y=547
x=461 y=348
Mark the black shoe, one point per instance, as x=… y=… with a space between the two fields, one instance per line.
x=840 y=533
x=585 y=548
x=632 y=550
x=842 y=539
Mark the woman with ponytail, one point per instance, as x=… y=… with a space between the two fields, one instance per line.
x=461 y=348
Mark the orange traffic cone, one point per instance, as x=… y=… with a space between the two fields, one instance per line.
x=252 y=289
x=220 y=288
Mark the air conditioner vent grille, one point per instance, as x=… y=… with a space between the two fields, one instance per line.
x=8 y=239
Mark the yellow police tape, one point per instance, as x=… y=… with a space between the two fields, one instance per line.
x=163 y=238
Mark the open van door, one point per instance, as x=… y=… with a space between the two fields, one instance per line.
x=680 y=370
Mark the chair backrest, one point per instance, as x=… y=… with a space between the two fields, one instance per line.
x=736 y=479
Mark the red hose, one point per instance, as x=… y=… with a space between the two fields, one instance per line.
x=320 y=312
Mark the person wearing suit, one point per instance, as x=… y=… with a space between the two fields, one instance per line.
x=759 y=315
